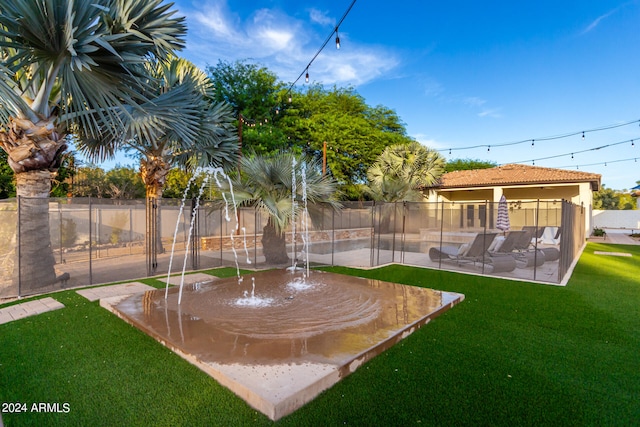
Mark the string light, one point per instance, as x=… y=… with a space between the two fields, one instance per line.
x=533 y=142
x=550 y=138
x=577 y=152
x=337 y=39
x=598 y=163
x=334 y=31
x=583 y=136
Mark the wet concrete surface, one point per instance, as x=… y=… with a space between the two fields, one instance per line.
x=276 y=338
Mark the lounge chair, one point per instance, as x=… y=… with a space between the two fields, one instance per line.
x=474 y=253
x=516 y=245
x=550 y=254
x=551 y=236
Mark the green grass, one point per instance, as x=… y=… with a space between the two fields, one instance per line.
x=512 y=353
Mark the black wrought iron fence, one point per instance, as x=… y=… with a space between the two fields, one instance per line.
x=53 y=244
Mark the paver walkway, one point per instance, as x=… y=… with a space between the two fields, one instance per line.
x=190 y=279
x=29 y=308
x=94 y=294
x=617 y=239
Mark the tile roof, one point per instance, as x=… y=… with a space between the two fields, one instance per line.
x=515 y=174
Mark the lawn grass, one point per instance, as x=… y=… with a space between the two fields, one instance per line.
x=512 y=353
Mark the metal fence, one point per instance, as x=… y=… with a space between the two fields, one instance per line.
x=53 y=244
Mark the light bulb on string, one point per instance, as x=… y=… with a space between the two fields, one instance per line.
x=306 y=77
x=488 y=148
x=583 y=136
x=337 y=39
x=449 y=151
x=632 y=144
x=533 y=142
x=572 y=155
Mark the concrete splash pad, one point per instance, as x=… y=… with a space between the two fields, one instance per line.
x=294 y=338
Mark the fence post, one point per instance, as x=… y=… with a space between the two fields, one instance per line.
x=373 y=232
x=195 y=232
x=402 y=239
x=90 y=244
x=19 y=242
x=60 y=229
x=535 y=241
x=151 y=236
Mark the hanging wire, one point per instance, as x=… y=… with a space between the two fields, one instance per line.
x=546 y=138
x=576 y=152
x=305 y=72
x=599 y=163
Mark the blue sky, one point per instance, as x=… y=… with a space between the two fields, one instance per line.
x=458 y=73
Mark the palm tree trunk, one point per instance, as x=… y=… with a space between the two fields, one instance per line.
x=154 y=172
x=154 y=197
x=274 y=246
x=35 y=254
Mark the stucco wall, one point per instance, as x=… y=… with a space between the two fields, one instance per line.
x=629 y=220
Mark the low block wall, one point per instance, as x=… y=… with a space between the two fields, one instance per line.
x=213 y=243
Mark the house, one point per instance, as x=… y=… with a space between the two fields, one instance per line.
x=521 y=184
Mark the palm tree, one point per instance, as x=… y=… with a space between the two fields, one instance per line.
x=179 y=124
x=402 y=170
x=399 y=174
x=67 y=65
x=265 y=183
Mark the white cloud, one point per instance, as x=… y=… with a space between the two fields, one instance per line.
x=429 y=142
x=602 y=17
x=474 y=101
x=214 y=17
x=282 y=43
x=320 y=17
x=491 y=112
x=432 y=88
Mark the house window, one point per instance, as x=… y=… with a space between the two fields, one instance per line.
x=482 y=214
x=470 y=215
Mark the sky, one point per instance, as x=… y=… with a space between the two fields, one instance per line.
x=499 y=76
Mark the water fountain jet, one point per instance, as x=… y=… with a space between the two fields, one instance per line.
x=300 y=336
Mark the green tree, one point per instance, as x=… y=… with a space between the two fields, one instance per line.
x=90 y=181
x=252 y=90
x=468 y=164
x=62 y=178
x=177 y=181
x=255 y=95
x=123 y=182
x=355 y=134
x=627 y=201
x=266 y=183
x=606 y=199
x=7 y=186
x=67 y=66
